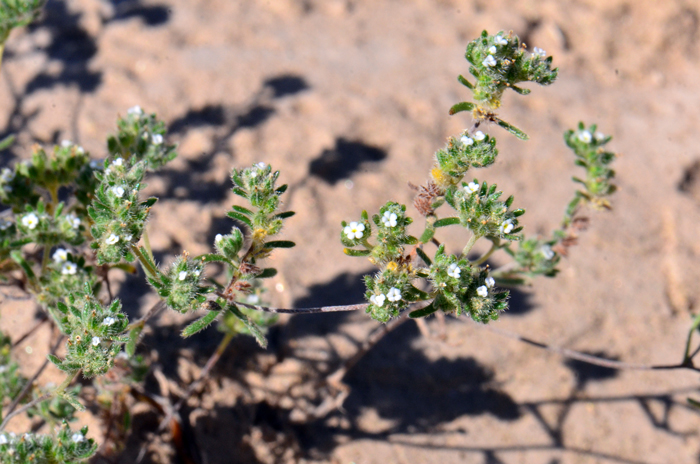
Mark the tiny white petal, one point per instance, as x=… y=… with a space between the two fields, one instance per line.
x=127 y=238
x=490 y=282
x=196 y=272
x=118 y=191
x=3 y=439
x=118 y=162
x=482 y=291
x=135 y=110
x=499 y=40
x=253 y=299
x=471 y=187
x=218 y=238
x=7 y=175
x=108 y=321
x=261 y=165
x=490 y=61
x=73 y=220
x=377 y=300
x=547 y=251
x=393 y=294
x=454 y=271
x=479 y=136
x=182 y=275
x=157 y=139
x=585 y=136
x=112 y=239
x=95 y=341
x=30 y=221
x=69 y=268
x=539 y=52
x=107 y=171
x=507 y=226
x=467 y=140
x=599 y=136
x=492 y=50
x=66 y=143
x=60 y=255
x=77 y=438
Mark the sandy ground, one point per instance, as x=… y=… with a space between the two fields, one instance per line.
x=349 y=100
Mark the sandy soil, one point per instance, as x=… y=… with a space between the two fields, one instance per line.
x=349 y=100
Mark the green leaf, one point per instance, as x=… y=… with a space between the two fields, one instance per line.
x=72 y=399
x=134 y=335
x=427 y=235
x=520 y=90
x=281 y=189
x=150 y=202
x=512 y=129
x=210 y=257
x=280 y=244
x=7 y=142
x=240 y=217
x=463 y=80
x=242 y=210
x=200 y=324
x=19 y=259
x=462 y=106
x=285 y=215
x=55 y=360
x=249 y=324
x=427 y=311
x=267 y=273
x=351 y=252
x=423 y=256
x=446 y=222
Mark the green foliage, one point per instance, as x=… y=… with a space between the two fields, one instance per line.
x=67 y=447
x=17 y=13
x=11 y=381
x=141 y=137
x=94 y=331
x=452 y=162
x=180 y=285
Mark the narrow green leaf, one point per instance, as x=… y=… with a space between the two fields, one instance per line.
x=200 y=324
x=250 y=325
x=240 y=217
x=520 y=90
x=55 y=360
x=512 y=129
x=208 y=258
x=427 y=311
x=351 y=252
x=280 y=244
x=281 y=189
x=463 y=80
x=446 y=222
x=462 y=106
x=19 y=259
x=267 y=273
x=427 y=234
x=134 y=335
x=7 y=142
x=285 y=215
x=423 y=256
x=242 y=210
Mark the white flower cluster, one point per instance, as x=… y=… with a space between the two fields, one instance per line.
x=389 y=219
x=393 y=295
x=506 y=226
x=61 y=256
x=73 y=220
x=354 y=230
x=483 y=291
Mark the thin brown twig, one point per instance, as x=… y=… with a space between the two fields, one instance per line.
x=31 y=381
x=322 y=309
x=31 y=404
x=590 y=359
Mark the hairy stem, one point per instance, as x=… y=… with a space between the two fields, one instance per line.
x=150 y=270
x=495 y=245
x=469 y=245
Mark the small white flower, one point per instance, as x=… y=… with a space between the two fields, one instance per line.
x=585 y=136
x=118 y=162
x=492 y=50
x=107 y=171
x=66 y=143
x=69 y=268
x=490 y=61
x=196 y=272
x=490 y=282
x=471 y=187
x=80 y=150
x=506 y=226
x=377 y=300
x=60 y=255
x=73 y=220
x=393 y=294
x=30 y=221
x=599 y=136
x=118 y=191
x=479 y=136
x=95 y=341
x=7 y=175
x=499 y=40
x=109 y=320
x=261 y=165
x=182 y=275
x=547 y=252
x=95 y=164
x=467 y=140
x=454 y=270
x=354 y=230
x=218 y=238
x=3 y=439
x=135 y=110
x=112 y=239
x=482 y=291
x=127 y=238
x=539 y=52
x=389 y=219
x=157 y=139
x=78 y=437
x=253 y=299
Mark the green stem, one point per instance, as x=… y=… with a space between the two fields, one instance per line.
x=495 y=245
x=45 y=258
x=696 y=323
x=469 y=245
x=144 y=262
x=147 y=244
x=2 y=49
